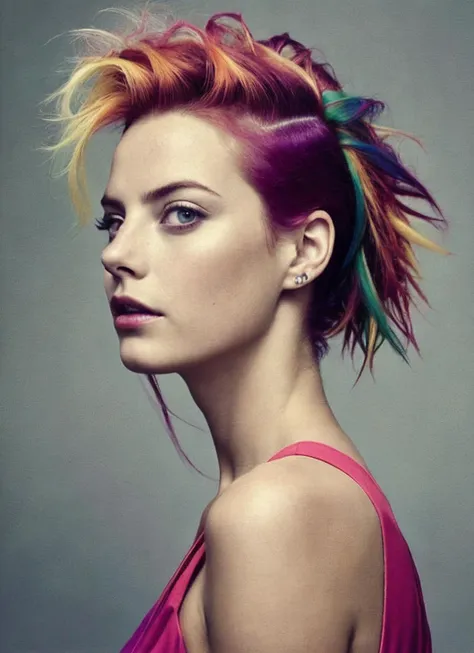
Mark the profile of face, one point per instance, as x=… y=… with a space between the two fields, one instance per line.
x=200 y=257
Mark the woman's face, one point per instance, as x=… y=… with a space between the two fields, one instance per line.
x=216 y=283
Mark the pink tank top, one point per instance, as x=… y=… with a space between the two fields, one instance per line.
x=405 y=626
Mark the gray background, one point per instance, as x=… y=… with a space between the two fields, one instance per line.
x=97 y=508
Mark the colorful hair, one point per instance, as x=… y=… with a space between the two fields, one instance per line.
x=306 y=144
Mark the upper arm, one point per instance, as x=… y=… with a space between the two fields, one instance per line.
x=282 y=570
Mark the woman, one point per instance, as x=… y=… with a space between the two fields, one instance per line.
x=253 y=211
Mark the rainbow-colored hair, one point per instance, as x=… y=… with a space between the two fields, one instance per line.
x=306 y=144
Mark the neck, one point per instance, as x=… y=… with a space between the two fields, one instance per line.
x=260 y=399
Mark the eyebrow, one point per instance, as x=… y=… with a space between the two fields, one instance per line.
x=158 y=193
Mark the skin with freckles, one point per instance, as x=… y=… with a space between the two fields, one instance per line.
x=294 y=557
x=233 y=315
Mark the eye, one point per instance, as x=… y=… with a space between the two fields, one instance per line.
x=104 y=223
x=110 y=219
x=184 y=209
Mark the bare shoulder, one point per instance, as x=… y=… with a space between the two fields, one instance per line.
x=299 y=486
x=289 y=546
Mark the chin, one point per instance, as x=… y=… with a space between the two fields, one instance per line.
x=141 y=357
x=149 y=358
x=139 y=366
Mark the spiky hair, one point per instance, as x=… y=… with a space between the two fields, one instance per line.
x=306 y=145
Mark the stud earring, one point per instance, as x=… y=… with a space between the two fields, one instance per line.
x=301 y=278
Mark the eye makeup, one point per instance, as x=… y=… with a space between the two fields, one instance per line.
x=109 y=219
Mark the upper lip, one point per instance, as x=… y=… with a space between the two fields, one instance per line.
x=118 y=303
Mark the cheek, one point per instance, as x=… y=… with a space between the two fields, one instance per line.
x=227 y=289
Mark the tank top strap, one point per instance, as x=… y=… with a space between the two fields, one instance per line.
x=187 y=571
x=360 y=474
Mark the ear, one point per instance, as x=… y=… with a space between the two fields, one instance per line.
x=313 y=245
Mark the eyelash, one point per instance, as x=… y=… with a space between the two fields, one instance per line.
x=104 y=223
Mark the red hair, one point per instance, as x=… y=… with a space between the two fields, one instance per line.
x=305 y=145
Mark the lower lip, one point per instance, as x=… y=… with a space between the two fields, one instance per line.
x=134 y=320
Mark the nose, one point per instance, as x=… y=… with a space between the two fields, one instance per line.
x=124 y=255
